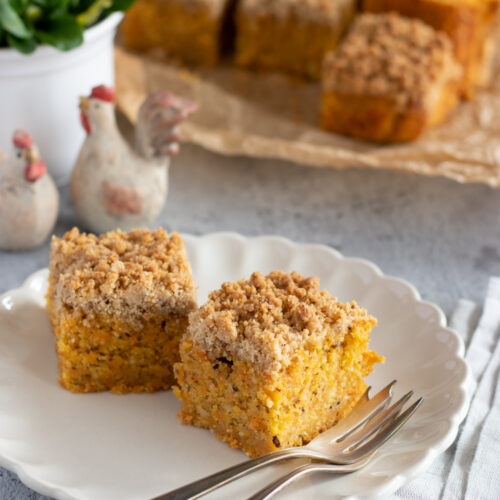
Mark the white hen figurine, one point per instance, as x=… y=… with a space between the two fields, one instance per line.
x=29 y=199
x=116 y=185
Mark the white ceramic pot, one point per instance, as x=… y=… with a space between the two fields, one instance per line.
x=39 y=93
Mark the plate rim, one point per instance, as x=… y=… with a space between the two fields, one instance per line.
x=46 y=488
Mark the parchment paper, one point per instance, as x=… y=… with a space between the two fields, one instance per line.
x=274 y=116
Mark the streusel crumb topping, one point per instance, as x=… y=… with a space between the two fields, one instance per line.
x=122 y=274
x=267 y=320
x=390 y=55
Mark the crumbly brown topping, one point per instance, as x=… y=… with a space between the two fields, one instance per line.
x=122 y=274
x=266 y=320
x=392 y=56
x=317 y=10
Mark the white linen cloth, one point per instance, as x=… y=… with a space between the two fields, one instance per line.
x=469 y=469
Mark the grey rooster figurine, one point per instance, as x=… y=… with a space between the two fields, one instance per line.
x=118 y=185
x=29 y=199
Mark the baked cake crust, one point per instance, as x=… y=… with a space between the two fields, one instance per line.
x=391 y=78
x=272 y=361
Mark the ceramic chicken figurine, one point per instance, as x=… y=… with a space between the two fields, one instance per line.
x=116 y=185
x=29 y=199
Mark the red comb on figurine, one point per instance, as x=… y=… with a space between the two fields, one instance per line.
x=22 y=139
x=34 y=171
x=104 y=93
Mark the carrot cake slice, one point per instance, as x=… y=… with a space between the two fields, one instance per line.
x=390 y=80
x=271 y=361
x=472 y=26
x=192 y=31
x=290 y=35
x=119 y=304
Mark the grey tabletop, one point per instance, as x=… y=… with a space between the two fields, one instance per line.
x=441 y=236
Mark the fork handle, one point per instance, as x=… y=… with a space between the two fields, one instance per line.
x=210 y=483
x=271 y=489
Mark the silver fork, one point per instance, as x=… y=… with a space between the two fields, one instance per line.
x=348 y=431
x=359 y=455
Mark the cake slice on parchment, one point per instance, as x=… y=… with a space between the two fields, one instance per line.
x=271 y=361
x=290 y=35
x=119 y=304
x=390 y=80
x=192 y=31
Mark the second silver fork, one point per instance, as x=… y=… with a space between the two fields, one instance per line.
x=359 y=456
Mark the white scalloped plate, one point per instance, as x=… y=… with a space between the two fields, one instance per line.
x=104 y=447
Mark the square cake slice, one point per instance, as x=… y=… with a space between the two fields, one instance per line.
x=271 y=361
x=470 y=24
x=290 y=35
x=118 y=305
x=191 y=31
x=391 y=79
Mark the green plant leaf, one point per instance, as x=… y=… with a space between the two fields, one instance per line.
x=53 y=4
x=62 y=32
x=60 y=23
x=11 y=21
x=91 y=15
x=19 y=5
x=59 y=7
x=121 y=5
x=24 y=45
x=80 y=5
x=33 y=13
